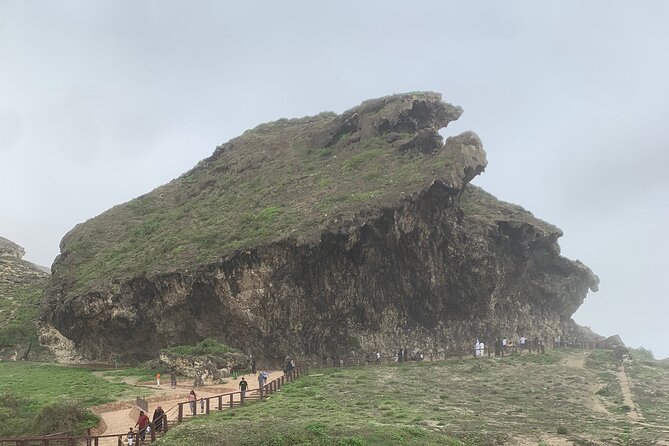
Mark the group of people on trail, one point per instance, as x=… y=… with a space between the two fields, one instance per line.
x=403 y=355
x=501 y=346
x=143 y=426
x=289 y=365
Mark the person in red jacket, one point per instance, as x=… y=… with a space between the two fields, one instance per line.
x=142 y=423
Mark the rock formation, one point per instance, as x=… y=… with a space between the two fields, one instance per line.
x=204 y=368
x=326 y=235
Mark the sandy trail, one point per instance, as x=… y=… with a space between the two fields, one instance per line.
x=623 y=379
x=120 y=416
x=577 y=361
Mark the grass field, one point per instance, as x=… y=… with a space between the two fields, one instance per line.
x=29 y=391
x=562 y=397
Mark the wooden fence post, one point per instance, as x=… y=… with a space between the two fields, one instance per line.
x=231 y=401
x=242 y=397
x=180 y=416
x=165 y=428
x=206 y=406
x=220 y=402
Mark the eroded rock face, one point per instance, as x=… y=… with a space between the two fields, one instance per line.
x=205 y=368
x=394 y=117
x=423 y=276
x=431 y=268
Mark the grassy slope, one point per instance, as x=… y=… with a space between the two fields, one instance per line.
x=265 y=185
x=27 y=388
x=459 y=402
x=269 y=185
x=21 y=285
x=651 y=389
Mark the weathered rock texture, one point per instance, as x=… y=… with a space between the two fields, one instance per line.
x=385 y=246
x=205 y=368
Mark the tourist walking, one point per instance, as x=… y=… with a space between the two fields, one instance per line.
x=142 y=423
x=243 y=385
x=192 y=400
x=158 y=416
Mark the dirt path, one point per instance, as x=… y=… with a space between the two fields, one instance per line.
x=577 y=361
x=634 y=413
x=118 y=417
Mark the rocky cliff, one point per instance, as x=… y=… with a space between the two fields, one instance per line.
x=317 y=236
x=21 y=285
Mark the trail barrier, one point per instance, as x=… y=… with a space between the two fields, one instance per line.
x=227 y=401
x=177 y=414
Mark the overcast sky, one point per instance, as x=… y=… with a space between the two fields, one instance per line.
x=101 y=101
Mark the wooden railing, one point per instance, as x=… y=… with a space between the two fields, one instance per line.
x=234 y=399
x=224 y=401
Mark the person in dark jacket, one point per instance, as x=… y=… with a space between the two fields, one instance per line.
x=158 y=416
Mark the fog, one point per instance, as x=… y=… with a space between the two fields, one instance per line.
x=102 y=101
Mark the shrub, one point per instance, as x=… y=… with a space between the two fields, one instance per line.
x=68 y=417
x=562 y=429
x=206 y=347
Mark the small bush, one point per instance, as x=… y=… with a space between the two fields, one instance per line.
x=206 y=347
x=562 y=429
x=64 y=417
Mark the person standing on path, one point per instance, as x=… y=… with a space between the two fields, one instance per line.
x=158 y=379
x=173 y=379
x=158 y=416
x=142 y=423
x=192 y=400
x=243 y=385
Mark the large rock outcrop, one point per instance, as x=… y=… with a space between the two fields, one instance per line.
x=318 y=236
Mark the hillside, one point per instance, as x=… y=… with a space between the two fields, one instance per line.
x=561 y=398
x=21 y=285
x=290 y=178
x=332 y=233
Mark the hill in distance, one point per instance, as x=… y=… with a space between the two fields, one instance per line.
x=21 y=285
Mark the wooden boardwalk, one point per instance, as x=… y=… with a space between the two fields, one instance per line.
x=178 y=413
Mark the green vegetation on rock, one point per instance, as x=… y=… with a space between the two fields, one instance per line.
x=21 y=285
x=206 y=347
x=273 y=182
